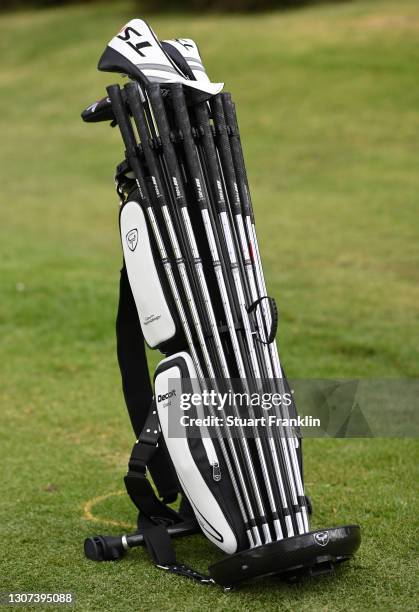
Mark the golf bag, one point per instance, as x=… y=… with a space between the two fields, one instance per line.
x=192 y=287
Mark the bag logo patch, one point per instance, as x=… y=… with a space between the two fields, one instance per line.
x=322 y=538
x=132 y=239
x=165 y=396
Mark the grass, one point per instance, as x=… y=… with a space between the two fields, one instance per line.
x=328 y=102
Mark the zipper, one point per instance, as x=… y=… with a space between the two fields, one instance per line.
x=211 y=455
x=216 y=472
x=209 y=449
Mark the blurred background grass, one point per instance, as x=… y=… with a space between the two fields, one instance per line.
x=165 y=6
x=327 y=99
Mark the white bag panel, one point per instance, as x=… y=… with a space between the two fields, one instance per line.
x=157 y=323
x=167 y=389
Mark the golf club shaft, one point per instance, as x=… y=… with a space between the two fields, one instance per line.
x=249 y=221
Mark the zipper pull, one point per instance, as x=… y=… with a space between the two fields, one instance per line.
x=216 y=472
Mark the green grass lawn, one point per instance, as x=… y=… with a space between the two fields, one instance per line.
x=328 y=101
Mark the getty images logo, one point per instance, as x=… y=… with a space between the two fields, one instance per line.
x=132 y=239
x=165 y=396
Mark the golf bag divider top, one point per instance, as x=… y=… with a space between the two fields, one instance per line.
x=193 y=288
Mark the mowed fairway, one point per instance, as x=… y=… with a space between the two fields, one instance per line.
x=328 y=101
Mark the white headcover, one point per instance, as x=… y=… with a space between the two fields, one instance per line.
x=189 y=50
x=139 y=45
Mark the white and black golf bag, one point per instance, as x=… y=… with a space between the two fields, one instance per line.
x=192 y=287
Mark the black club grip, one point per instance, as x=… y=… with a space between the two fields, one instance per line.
x=154 y=93
x=202 y=119
x=165 y=134
x=181 y=111
x=184 y=125
x=223 y=146
x=237 y=153
x=229 y=113
x=131 y=151
x=134 y=100
x=135 y=103
x=122 y=118
x=137 y=110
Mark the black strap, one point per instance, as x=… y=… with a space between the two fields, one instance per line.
x=155 y=515
x=132 y=358
x=136 y=385
x=136 y=482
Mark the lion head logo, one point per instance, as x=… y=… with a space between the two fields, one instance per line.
x=132 y=239
x=321 y=538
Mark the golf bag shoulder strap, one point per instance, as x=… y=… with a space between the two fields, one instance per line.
x=136 y=385
x=155 y=515
x=136 y=482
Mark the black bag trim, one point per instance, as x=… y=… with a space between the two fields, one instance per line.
x=136 y=385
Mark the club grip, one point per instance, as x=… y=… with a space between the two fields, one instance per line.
x=237 y=153
x=230 y=115
x=136 y=107
x=223 y=145
x=122 y=118
x=156 y=99
x=135 y=100
x=154 y=94
x=203 y=123
x=135 y=103
x=179 y=106
x=183 y=124
x=131 y=151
